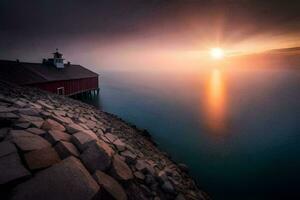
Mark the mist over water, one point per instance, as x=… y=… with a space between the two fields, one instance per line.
x=237 y=129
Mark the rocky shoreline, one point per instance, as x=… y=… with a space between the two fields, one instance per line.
x=54 y=147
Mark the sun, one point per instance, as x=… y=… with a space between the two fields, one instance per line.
x=217 y=53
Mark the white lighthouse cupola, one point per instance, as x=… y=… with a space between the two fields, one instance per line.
x=57 y=60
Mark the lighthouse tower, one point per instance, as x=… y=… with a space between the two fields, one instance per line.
x=57 y=60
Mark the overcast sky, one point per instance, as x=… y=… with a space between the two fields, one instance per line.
x=87 y=31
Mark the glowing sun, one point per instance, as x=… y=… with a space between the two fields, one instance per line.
x=217 y=53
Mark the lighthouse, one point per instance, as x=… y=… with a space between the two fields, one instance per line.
x=57 y=60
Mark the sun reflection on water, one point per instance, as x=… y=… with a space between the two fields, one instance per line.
x=216 y=102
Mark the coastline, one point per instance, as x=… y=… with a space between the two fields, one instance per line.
x=134 y=163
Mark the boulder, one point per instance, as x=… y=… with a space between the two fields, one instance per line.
x=162 y=176
x=180 y=197
x=6 y=148
x=111 y=137
x=139 y=175
x=22 y=125
x=120 y=169
x=34 y=105
x=20 y=104
x=37 y=124
x=67 y=179
x=54 y=136
x=29 y=111
x=110 y=185
x=130 y=158
x=44 y=104
x=36 y=131
x=82 y=139
x=8 y=115
x=51 y=124
x=3 y=133
x=74 y=128
x=82 y=120
x=168 y=187
x=97 y=156
x=121 y=146
x=141 y=165
x=30 y=118
x=18 y=133
x=7 y=109
x=183 y=167
x=11 y=168
x=29 y=142
x=41 y=158
x=90 y=124
x=62 y=119
x=59 y=112
x=66 y=149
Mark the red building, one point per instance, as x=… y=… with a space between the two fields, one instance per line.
x=52 y=75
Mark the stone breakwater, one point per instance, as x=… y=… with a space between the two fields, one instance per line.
x=54 y=147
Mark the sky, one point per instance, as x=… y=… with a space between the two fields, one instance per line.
x=126 y=33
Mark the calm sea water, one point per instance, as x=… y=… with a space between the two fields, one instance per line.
x=237 y=129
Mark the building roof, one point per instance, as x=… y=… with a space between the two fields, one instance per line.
x=23 y=73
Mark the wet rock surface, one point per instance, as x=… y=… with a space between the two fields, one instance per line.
x=54 y=147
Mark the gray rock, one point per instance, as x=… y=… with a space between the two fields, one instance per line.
x=8 y=115
x=183 y=167
x=22 y=125
x=30 y=118
x=46 y=114
x=18 y=133
x=6 y=109
x=11 y=168
x=6 y=148
x=62 y=119
x=162 y=176
x=74 y=128
x=83 y=126
x=141 y=165
x=30 y=142
x=41 y=158
x=97 y=156
x=54 y=136
x=29 y=111
x=120 y=169
x=66 y=180
x=66 y=149
x=37 y=124
x=121 y=146
x=3 y=133
x=20 y=104
x=149 y=179
x=168 y=187
x=180 y=197
x=139 y=175
x=36 y=131
x=59 y=112
x=82 y=139
x=111 y=137
x=51 y=124
x=130 y=158
x=82 y=120
x=90 y=124
x=110 y=185
x=44 y=104
x=35 y=105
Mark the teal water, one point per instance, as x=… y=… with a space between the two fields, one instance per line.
x=238 y=130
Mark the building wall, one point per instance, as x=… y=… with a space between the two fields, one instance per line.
x=70 y=86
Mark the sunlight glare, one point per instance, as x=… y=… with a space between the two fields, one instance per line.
x=217 y=53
